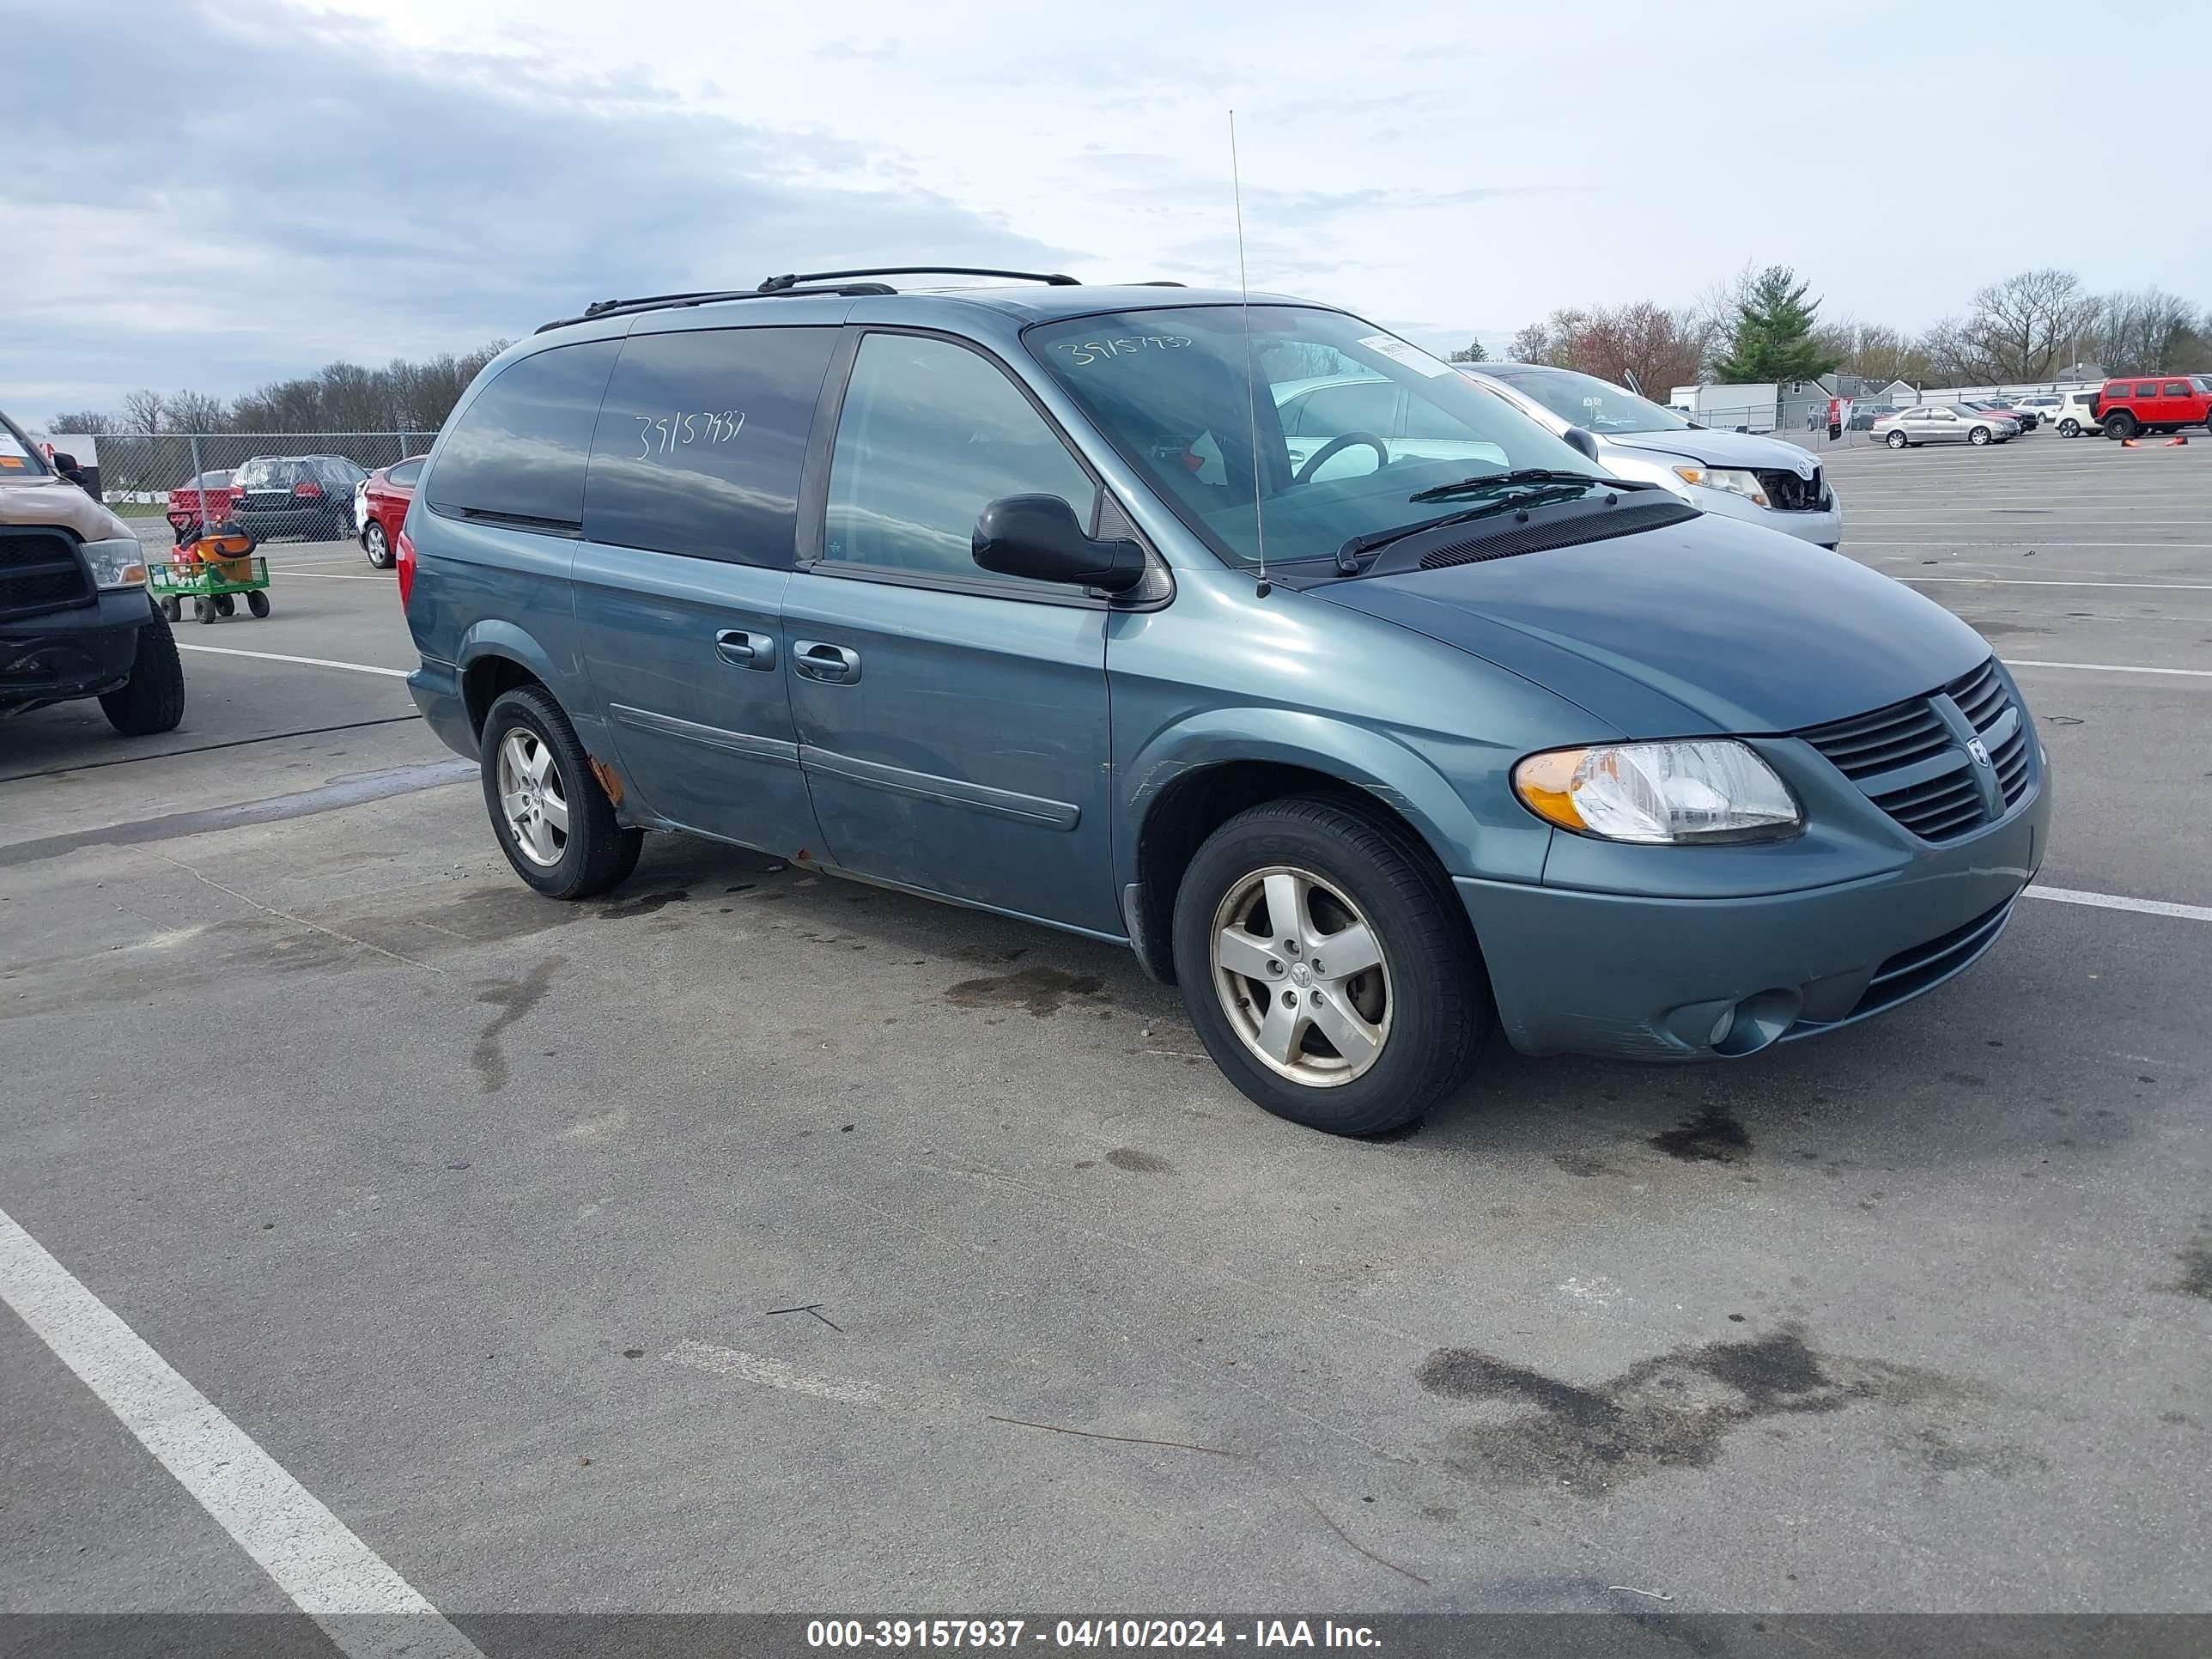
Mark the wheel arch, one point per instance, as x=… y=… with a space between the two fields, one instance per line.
x=1191 y=780
x=495 y=657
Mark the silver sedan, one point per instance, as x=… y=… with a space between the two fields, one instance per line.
x=1942 y=423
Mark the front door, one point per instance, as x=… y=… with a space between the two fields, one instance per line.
x=689 y=517
x=953 y=723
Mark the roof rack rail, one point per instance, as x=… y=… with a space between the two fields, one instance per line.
x=1160 y=281
x=705 y=297
x=783 y=284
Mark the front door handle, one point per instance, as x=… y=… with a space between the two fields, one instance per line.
x=744 y=650
x=817 y=659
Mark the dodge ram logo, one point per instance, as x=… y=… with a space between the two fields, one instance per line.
x=1979 y=750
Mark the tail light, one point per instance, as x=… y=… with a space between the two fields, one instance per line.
x=309 y=490
x=403 y=563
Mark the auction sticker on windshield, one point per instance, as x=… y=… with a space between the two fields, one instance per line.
x=1411 y=356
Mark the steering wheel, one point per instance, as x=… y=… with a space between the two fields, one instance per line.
x=1342 y=440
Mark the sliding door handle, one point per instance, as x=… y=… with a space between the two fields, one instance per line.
x=743 y=650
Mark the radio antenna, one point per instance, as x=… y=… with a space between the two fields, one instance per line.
x=1251 y=378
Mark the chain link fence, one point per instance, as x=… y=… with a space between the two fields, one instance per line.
x=140 y=473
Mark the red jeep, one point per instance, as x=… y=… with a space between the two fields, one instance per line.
x=2165 y=404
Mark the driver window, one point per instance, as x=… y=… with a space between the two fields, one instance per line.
x=930 y=434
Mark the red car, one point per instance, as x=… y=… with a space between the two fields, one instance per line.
x=2164 y=404
x=209 y=498
x=384 y=502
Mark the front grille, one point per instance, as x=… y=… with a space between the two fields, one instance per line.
x=1911 y=759
x=1790 y=492
x=40 y=570
x=1563 y=532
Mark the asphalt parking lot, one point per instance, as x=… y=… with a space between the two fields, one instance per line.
x=750 y=1240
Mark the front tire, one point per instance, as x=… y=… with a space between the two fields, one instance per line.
x=553 y=821
x=152 y=700
x=2069 y=427
x=1897 y=440
x=1327 y=966
x=1978 y=436
x=373 y=542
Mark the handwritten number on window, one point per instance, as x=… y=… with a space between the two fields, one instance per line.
x=660 y=436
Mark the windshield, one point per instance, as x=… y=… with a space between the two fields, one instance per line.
x=1353 y=424
x=1596 y=405
x=19 y=457
x=270 y=474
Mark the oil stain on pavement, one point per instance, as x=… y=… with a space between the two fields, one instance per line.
x=514 y=998
x=1674 y=1410
x=1711 y=1137
x=1041 y=990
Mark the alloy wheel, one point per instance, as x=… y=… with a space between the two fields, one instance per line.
x=532 y=797
x=1301 y=977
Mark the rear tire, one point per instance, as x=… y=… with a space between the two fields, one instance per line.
x=153 y=699
x=589 y=851
x=374 y=543
x=1361 y=870
x=2121 y=424
x=258 y=603
x=1897 y=440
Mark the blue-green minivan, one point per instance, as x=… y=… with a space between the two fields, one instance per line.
x=1024 y=595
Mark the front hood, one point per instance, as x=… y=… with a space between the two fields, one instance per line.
x=1708 y=626
x=1719 y=448
x=55 y=501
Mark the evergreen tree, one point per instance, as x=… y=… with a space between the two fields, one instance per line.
x=1472 y=352
x=1771 y=338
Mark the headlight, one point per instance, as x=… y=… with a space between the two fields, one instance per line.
x=1716 y=789
x=1629 y=466
x=1728 y=479
x=117 y=563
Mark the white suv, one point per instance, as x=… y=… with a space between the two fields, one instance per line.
x=2077 y=414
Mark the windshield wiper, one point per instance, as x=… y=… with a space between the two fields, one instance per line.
x=1532 y=491
x=1484 y=482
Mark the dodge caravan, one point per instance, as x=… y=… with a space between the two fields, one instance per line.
x=1023 y=597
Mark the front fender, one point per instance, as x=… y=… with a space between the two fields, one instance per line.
x=1405 y=780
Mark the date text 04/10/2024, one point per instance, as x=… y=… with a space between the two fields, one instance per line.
x=1116 y=1633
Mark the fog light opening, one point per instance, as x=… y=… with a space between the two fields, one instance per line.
x=1751 y=1024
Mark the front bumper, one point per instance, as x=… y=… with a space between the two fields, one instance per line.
x=1581 y=972
x=77 y=653
x=1825 y=528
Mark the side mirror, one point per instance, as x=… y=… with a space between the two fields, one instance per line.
x=64 y=463
x=1579 y=439
x=1037 y=536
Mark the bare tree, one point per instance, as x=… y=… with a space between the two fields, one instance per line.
x=1873 y=351
x=1659 y=348
x=2023 y=327
x=144 y=411
x=89 y=421
x=2149 y=331
x=195 y=412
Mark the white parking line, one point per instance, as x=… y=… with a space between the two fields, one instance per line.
x=2040 y=544
x=2114 y=902
x=772 y=1373
x=2109 y=668
x=2036 y=581
x=324 y=575
x=365 y=1608
x=309 y=662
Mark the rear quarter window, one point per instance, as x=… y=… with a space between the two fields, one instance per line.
x=518 y=451
x=700 y=440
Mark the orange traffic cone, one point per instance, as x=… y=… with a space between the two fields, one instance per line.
x=2129 y=443
x=2178 y=440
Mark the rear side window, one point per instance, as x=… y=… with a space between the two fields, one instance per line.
x=931 y=434
x=700 y=440
x=2146 y=389
x=404 y=474
x=518 y=451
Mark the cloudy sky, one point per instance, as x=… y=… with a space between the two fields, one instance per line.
x=213 y=196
